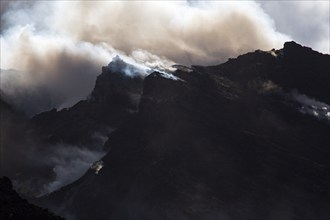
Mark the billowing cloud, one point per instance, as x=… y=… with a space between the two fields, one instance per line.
x=199 y=33
x=58 y=47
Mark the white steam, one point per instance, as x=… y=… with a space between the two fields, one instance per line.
x=133 y=69
x=310 y=106
x=58 y=47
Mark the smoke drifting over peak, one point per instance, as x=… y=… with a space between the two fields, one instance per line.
x=198 y=33
x=59 y=46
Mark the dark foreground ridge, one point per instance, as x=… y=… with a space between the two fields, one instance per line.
x=246 y=139
x=13 y=207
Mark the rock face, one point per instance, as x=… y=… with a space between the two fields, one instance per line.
x=112 y=102
x=51 y=147
x=232 y=141
x=12 y=206
x=13 y=143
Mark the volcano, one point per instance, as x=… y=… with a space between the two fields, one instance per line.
x=246 y=139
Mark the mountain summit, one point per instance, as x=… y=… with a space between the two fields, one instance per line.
x=246 y=139
x=115 y=97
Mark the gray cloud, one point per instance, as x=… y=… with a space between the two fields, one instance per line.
x=69 y=163
x=59 y=46
x=38 y=169
x=199 y=33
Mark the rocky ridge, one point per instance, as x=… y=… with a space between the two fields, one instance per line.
x=231 y=141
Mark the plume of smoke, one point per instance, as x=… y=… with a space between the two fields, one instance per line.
x=58 y=47
x=198 y=33
x=70 y=163
x=311 y=106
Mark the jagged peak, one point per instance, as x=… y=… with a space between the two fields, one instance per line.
x=294 y=48
x=119 y=65
x=293 y=44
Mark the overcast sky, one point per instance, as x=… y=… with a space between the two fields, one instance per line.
x=58 y=47
x=307 y=22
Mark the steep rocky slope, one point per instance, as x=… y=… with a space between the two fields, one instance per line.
x=112 y=102
x=56 y=147
x=247 y=139
x=16 y=148
x=13 y=207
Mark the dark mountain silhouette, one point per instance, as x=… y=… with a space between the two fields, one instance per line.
x=111 y=103
x=247 y=139
x=13 y=207
x=14 y=139
x=28 y=145
x=296 y=67
x=18 y=147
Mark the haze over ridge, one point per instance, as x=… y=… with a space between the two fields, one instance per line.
x=60 y=46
